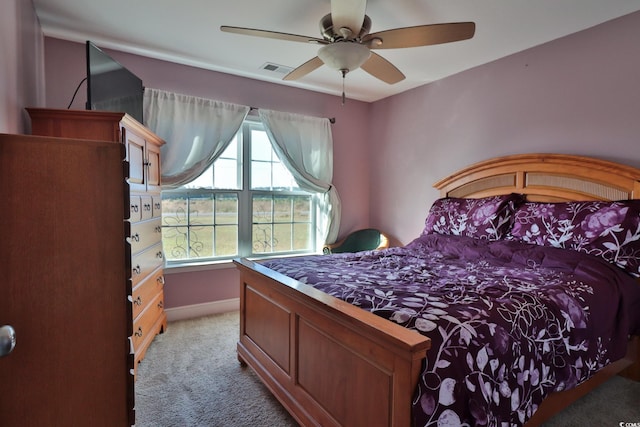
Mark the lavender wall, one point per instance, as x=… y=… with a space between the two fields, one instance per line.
x=21 y=64
x=65 y=63
x=579 y=95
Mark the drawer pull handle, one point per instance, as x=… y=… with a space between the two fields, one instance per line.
x=138 y=301
x=158 y=229
x=160 y=304
x=136 y=237
x=135 y=208
x=137 y=269
x=159 y=254
x=156 y=205
x=147 y=207
x=160 y=280
x=138 y=333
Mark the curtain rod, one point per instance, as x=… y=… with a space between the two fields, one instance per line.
x=332 y=120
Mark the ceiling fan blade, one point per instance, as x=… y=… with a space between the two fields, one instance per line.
x=382 y=69
x=272 y=35
x=349 y=14
x=421 y=35
x=304 y=69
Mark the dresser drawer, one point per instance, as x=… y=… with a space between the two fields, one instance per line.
x=143 y=263
x=157 y=206
x=146 y=291
x=145 y=234
x=143 y=325
x=135 y=209
x=147 y=207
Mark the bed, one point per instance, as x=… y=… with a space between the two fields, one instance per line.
x=330 y=362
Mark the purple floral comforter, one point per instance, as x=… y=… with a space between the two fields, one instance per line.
x=509 y=322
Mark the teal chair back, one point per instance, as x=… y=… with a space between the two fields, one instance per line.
x=361 y=240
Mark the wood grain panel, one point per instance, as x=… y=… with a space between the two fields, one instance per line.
x=268 y=326
x=64 y=283
x=333 y=373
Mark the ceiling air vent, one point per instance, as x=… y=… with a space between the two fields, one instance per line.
x=275 y=68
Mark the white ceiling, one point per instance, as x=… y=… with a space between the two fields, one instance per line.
x=188 y=32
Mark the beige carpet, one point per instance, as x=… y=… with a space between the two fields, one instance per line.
x=191 y=377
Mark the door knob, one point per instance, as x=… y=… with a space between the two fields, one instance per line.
x=7 y=340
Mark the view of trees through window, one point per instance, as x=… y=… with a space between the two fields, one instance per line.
x=217 y=216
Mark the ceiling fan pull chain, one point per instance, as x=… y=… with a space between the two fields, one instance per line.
x=344 y=73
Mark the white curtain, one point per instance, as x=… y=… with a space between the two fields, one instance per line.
x=304 y=144
x=197 y=131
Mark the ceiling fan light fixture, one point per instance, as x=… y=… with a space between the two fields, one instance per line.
x=344 y=55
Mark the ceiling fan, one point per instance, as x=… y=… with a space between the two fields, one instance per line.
x=347 y=44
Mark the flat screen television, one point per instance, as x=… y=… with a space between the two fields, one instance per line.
x=110 y=86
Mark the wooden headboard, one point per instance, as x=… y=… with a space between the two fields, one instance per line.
x=545 y=177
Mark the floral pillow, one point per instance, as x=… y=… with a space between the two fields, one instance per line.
x=610 y=230
x=487 y=218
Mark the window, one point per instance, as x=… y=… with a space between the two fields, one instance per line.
x=217 y=216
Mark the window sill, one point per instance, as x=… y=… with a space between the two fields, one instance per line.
x=177 y=268
x=198 y=266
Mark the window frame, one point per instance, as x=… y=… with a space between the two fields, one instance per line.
x=245 y=207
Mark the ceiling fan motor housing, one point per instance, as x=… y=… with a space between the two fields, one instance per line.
x=331 y=34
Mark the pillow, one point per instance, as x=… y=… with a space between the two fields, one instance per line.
x=487 y=218
x=610 y=230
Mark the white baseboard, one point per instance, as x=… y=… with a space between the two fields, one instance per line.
x=204 y=309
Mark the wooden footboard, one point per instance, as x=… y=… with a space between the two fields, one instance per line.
x=328 y=362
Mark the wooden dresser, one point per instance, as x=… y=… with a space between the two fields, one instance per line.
x=143 y=227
